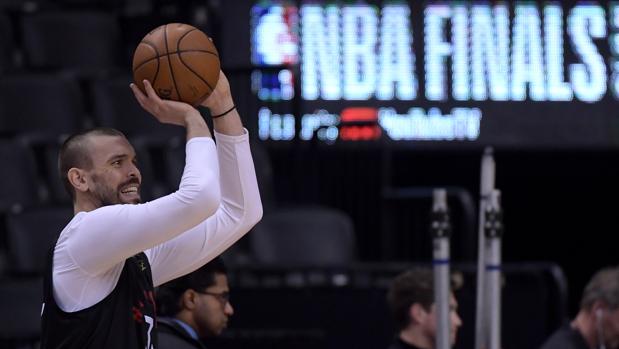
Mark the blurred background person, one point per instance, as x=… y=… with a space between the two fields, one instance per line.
x=411 y=301
x=194 y=307
x=597 y=323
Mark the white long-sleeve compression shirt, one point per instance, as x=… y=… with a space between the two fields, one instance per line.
x=216 y=204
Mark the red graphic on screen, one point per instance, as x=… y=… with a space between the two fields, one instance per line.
x=359 y=124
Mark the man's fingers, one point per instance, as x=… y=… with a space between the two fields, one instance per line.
x=136 y=91
x=150 y=91
x=138 y=95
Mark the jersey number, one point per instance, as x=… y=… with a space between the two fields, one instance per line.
x=149 y=320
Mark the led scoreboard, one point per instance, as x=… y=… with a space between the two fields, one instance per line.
x=521 y=74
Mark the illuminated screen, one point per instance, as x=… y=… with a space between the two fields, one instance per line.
x=521 y=74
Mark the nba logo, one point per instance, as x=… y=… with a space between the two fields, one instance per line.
x=275 y=39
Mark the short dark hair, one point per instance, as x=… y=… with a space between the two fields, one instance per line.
x=603 y=287
x=413 y=286
x=74 y=152
x=169 y=294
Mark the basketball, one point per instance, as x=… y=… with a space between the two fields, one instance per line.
x=180 y=61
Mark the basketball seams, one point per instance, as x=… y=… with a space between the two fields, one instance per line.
x=180 y=57
x=171 y=53
x=137 y=67
x=158 y=62
x=182 y=51
x=150 y=59
x=146 y=72
x=154 y=47
x=165 y=39
x=178 y=42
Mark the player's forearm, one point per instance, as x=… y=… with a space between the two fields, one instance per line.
x=199 y=187
x=226 y=119
x=239 y=186
x=229 y=124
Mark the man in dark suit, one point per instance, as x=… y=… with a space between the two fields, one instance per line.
x=194 y=307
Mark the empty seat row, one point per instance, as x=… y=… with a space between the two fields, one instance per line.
x=34 y=5
x=56 y=104
x=19 y=182
x=7 y=44
x=124 y=7
x=30 y=234
x=86 y=41
x=20 y=323
x=31 y=104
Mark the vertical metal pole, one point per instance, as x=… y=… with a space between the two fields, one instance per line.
x=486 y=187
x=441 y=228
x=494 y=232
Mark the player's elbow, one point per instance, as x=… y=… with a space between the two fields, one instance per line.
x=253 y=215
x=202 y=196
x=209 y=198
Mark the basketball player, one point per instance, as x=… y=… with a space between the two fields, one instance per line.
x=99 y=285
x=411 y=300
x=194 y=307
x=596 y=325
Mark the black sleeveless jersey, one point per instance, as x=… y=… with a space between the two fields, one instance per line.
x=125 y=319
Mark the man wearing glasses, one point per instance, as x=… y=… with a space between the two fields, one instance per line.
x=194 y=307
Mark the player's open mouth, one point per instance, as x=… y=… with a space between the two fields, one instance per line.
x=131 y=192
x=133 y=189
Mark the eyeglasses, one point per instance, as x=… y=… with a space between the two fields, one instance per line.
x=223 y=297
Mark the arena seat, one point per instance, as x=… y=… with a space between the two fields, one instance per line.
x=30 y=234
x=85 y=42
x=20 y=323
x=18 y=182
x=7 y=44
x=56 y=189
x=91 y=4
x=305 y=236
x=48 y=104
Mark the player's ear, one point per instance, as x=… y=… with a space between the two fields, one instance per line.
x=77 y=178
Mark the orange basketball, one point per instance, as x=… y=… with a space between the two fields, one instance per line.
x=180 y=61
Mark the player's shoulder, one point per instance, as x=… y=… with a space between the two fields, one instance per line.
x=71 y=226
